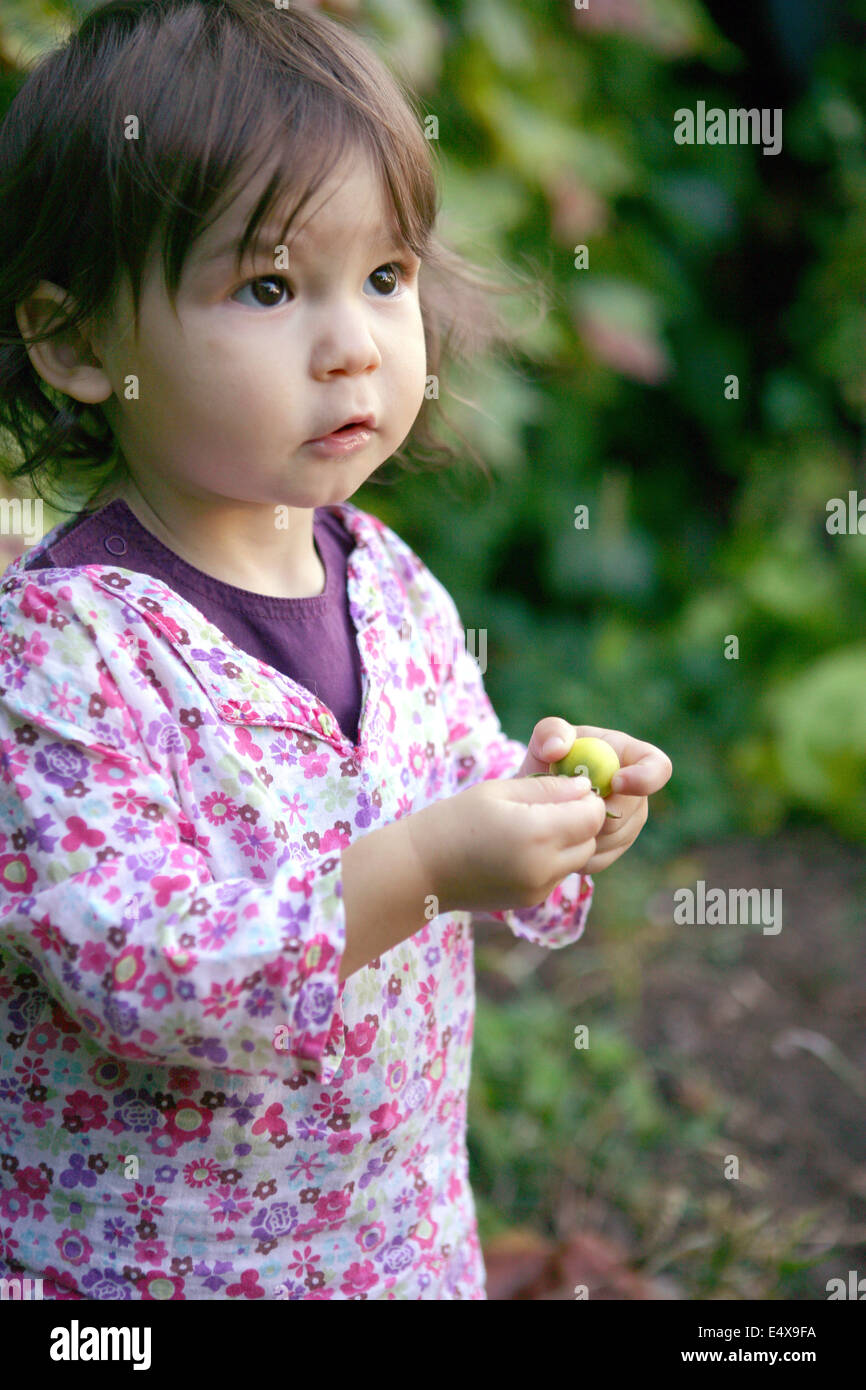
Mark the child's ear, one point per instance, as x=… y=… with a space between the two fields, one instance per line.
x=67 y=360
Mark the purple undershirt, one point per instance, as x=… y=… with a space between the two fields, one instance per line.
x=312 y=640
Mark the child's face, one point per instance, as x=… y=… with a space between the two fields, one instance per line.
x=231 y=390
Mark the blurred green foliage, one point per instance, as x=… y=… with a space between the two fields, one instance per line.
x=707 y=514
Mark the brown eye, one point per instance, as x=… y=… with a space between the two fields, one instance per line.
x=266 y=290
x=392 y=274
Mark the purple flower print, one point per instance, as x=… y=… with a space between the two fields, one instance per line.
x=397 y=1255
x=230 y=893
x=215 y=658
x=243 y=1111
x=279 y=1219
x=61 y=764
x=315 y=1004
x=260 y=1002
x=145 y=865
x=106 y=1284
x=135 y=1112
x=295 y=917
x=367 y=810
x=40 y=835
x=414 y=1095
x=25 y=1009
x=211 y=1048
x=120 y=1016
x=164 y=736
x=76 y=1173
x=374 y=1169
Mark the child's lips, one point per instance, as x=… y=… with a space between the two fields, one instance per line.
x=342 y=440
x=345 y=427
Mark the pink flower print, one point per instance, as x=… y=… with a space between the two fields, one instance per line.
x=157 y=1285
x=93 y=957
x=13 y=760
x=189 y=1122
x=180 y=961
x=33 y=1182
x=17 y=874
x=294 y=808
x=194 y=750
x=361 y=1038
x=218 y=809
x=315 y=764
x=128 y=800
x=331 y=1103
x=332 y=1207
x=226 y=1205
x=359 y=1278
x=185 y=1079
x=36 y=650
x=165 y=888
x=414 y=675
x=385 y=1118
x=218 y=929
x=217 y=1003
x=271 y=1121
x=149 y=1252
x=113 y=770
x=336 y=839
x=74 y=1247
x=249 y=1287
x=370 y=1237
x=13 y=1205
x=31 y=1070
x=426 y=992
x=417 y=758
x=129 y=967
x=245 y=745
x=202 y=1172
x=108 y=688
x=156 y=991
x=184 y=856
x=304 y=1263
x=37 y=604
x=83 y=1112
x=37 y=1115
x=80 y=835
x=392 y=717
x=343 y=1143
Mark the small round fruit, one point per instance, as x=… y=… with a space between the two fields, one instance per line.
x=592 y=758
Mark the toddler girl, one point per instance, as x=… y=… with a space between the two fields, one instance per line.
x=253 y=790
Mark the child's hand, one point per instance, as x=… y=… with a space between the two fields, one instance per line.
x=644 y=769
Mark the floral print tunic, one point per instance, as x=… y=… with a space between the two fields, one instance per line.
x=192 y=1106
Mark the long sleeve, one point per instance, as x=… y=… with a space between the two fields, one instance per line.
x=479 y=751
x=109 y=894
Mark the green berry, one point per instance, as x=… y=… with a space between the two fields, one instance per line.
x=592 y=758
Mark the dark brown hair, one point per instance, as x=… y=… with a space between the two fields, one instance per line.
x=210 y=82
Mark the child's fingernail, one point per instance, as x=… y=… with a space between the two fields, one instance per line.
x=552 y=746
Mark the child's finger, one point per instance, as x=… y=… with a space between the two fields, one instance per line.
x=649 y=774
x=550 y=741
